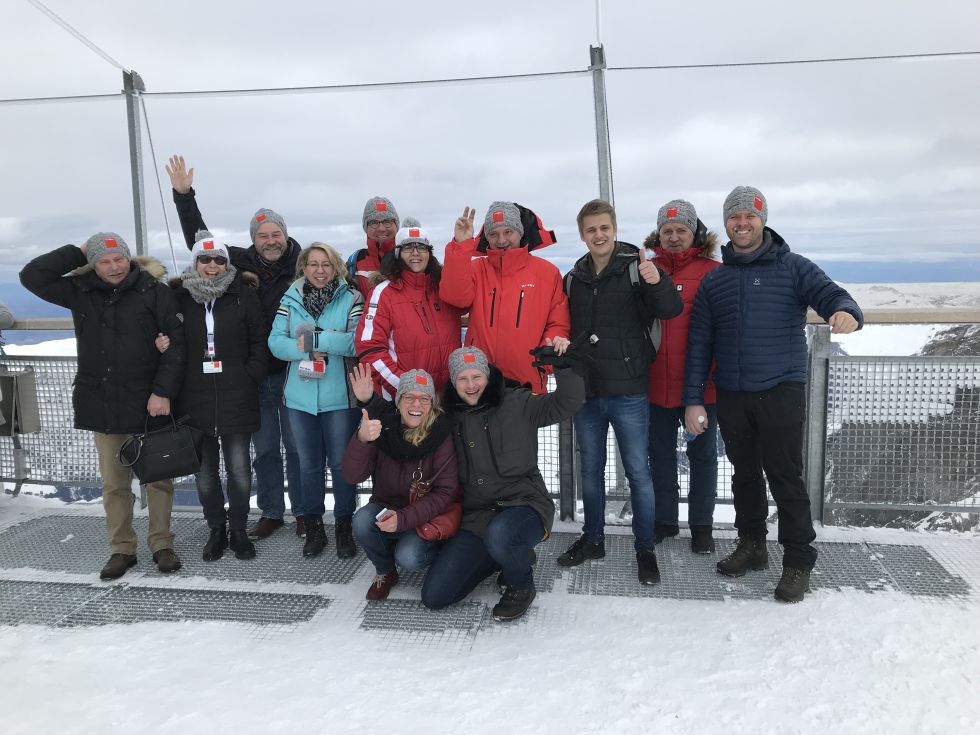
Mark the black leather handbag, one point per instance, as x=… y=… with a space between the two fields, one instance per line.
x=164 y=453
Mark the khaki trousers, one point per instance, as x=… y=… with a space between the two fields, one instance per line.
x=117 y=499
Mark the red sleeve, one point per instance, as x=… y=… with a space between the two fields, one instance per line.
x=559 y=323
x=372 y=339
x=458 y=283
x=443 y=491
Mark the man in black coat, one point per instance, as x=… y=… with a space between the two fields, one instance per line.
x=272 y=258
x=614 y=295
x=119 y=307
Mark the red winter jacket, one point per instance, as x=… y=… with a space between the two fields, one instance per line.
x=515 y=301
x=370 y=262
x=406 y=325
x=686 y=269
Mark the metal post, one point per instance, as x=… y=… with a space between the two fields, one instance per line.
x=597 y=64
x=815 y=440
x=566 y=471
x=132 y=87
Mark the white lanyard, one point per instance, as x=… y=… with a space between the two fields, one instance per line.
x=209 y=326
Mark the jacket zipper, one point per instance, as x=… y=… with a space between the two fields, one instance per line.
x=493 y=303
x=425 y=318
x=520 y=305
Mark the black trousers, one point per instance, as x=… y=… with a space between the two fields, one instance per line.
x=763 y=432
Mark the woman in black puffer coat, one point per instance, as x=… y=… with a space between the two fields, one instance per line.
x=225 y=333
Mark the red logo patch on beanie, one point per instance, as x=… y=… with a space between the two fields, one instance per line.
x=758 y=203
x=208 y=245
x=414 y=232
x=110 y=242
x=672 y=212
x=380 y=206
x=421 y=380
x=469 y=357
x=498 y=216
x=260 y=218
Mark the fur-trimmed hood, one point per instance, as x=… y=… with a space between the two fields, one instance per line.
x=145 y=262
x=708 y=250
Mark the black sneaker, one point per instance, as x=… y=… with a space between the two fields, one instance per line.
x=702 y=541
x=664 y=530
x=513 y=604
x=344 y=535
x=749 y=554
x=242 y=545
x=793 y=585
x=501 y=587
x=216 y=544
x=316 y=536
x=646 y=567
x=580 y=551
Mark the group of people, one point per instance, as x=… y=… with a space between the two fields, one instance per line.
x=361 y=367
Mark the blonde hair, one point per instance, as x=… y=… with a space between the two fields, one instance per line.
x=421 y=432
x=332 y=255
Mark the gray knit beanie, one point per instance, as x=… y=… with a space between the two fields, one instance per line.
x=746 y=199
x=503 y=214
x=262 y=217
x=418 y=381
x=678 y=210
x=204 y=244
x=105 y=243
x=377 y=209
x=464 y=358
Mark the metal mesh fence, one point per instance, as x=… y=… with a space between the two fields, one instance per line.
x=903 y=433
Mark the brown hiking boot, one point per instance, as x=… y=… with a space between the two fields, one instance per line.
x=300 y=527
x=382 y=585
x=167 y=560
x=264 y=527
x=117 y=566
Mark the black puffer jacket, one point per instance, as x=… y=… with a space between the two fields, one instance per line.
x=272 y=283
x=225 y=402
x=617 y=313
x=497 y=445
x=115 y=326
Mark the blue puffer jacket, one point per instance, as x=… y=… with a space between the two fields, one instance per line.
x=338 y=322
x=749 y=316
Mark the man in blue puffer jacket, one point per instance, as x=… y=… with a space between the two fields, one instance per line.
x=748 y=317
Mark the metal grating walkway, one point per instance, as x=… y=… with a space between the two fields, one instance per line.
x=49 y=563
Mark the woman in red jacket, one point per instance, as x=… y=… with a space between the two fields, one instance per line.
x=683 y=248
x=406 y=324
x=393 y=449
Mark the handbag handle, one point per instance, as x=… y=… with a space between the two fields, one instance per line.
x=137 y=439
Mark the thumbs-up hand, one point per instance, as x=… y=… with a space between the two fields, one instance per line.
x=370 y=429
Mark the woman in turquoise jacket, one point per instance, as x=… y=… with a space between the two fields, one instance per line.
x=313 y=331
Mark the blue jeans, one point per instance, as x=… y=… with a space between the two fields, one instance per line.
x=388 y=550
x=702 y=455
x=321 y=441
x=235 y=449
x=466 y=559
x=268 y=456
x=629 y=416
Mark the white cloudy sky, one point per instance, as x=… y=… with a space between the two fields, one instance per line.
x=874 y=161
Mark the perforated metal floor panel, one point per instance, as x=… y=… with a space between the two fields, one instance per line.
x=49 y=566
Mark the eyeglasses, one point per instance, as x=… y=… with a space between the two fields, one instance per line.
x=415 y=247
x=216 y=259
x=382 y=223
x=421 y=400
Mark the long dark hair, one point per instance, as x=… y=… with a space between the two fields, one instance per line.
x=392 y=267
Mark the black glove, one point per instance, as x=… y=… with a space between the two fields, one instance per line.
x=576 y=357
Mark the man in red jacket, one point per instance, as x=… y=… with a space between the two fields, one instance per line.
x=380 y=222
x=515 y=300
x=684 y=249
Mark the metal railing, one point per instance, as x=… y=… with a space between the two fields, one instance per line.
x=883 y=433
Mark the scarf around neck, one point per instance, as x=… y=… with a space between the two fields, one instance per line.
x=316 y=299
x=203 y=290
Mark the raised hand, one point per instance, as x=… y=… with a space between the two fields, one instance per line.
x=370 y=429
x=181 y=178
x=464 y=225
x=842 y=323
x=648 y=272
x=361 y=382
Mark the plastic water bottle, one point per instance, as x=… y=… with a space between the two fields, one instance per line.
x=688 y=436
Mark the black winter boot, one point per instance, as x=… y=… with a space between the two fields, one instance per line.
x=316 y=536
x=793 y=585
x=664 y=530
x=702 y=541
x=241 y=544
x=344 y=535
x=646 y=567
x=749 y=554
x=513 y=604
x=217 y=542
x=581 y=550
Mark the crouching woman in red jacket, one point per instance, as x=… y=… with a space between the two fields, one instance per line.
x=394 y=446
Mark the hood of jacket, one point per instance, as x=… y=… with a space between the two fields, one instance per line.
x=146 y=263
x=491 y=397
x=708 y=249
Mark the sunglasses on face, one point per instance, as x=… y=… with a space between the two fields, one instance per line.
x=417 y=247
x=216 y=259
